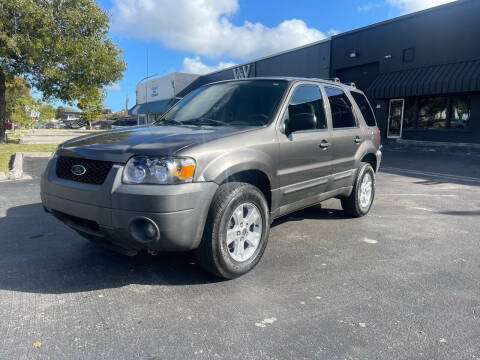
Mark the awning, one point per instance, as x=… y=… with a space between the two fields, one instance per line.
x=438 y=79
x=153 y=107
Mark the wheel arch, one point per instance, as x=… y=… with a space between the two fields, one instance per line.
x=370 y=159
x=254 y=177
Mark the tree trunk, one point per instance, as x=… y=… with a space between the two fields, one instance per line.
x=3 y=105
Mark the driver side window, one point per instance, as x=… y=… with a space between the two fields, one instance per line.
x=306 y=102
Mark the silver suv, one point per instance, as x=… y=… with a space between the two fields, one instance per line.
x=218 y=168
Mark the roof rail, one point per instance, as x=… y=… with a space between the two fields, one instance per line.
x=335 y=79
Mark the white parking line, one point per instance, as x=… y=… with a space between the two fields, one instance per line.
x=432 y=174
x=429 y=195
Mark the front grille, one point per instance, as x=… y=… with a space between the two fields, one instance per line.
x=96 y=171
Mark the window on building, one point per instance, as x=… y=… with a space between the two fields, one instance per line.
x=365 y=108
x=307 y=99
x=438 y=112
x=341 y=109
x=433 y=113
x=409 y=114
x=460 y=115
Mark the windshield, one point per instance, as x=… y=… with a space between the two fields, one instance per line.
x=237 y=103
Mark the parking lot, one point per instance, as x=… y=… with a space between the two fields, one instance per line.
x=401 y=283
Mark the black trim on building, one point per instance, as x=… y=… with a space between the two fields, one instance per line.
x=430 y=57
x=438 y=79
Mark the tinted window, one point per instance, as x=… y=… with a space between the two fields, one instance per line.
x=433 y=113
x=235 y=103
x=341 y=108
x=307 y=99
x=409 y=114
x=365 y=108
x=460 y=112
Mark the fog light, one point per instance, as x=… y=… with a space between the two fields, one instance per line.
x=150 y=230
x=144 y=230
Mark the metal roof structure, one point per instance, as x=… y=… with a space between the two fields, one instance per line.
x=436 y=79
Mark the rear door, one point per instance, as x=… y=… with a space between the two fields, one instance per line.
x=347 y=136
x=304 y=167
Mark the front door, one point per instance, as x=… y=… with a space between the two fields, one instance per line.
x=395 y=118
x=304 y=167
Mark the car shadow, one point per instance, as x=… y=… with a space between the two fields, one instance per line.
x=312 y=213
x=39 y=254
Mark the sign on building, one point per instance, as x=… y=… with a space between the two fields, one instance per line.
x=242 y=72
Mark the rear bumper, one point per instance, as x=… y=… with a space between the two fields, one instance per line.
x=105 y=213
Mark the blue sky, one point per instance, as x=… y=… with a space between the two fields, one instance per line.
x=204 y=35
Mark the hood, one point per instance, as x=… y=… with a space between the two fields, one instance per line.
x=120 y=145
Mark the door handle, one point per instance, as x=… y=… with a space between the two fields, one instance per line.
x=324 y=144
x=357 y=140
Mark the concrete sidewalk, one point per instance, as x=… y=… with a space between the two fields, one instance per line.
x=44 y=136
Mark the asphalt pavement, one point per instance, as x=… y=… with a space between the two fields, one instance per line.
x=400 y=283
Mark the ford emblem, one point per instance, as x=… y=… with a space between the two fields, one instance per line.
x=78 y=170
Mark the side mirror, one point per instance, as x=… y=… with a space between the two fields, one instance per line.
x=302 y=121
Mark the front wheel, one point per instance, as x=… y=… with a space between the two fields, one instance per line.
x=360 y=201
x=236 y=231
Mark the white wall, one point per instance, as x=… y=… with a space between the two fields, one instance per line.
x=164 y=87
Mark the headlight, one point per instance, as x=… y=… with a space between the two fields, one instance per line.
x=151 y=170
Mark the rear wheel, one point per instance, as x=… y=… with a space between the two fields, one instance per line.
x=236 y=231
x=360 y=201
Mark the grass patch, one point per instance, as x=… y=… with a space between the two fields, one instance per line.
x=7 y=150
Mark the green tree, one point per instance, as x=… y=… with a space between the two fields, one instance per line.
x=17 y=99
x=62 y=47
x=47 y=112
x=91 y=105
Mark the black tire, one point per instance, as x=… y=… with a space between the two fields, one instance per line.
x=213 y=254
x=352 y=205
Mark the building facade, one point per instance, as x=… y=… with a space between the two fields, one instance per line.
x=421 y=71
x=155 y=94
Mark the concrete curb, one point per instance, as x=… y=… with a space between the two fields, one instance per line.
x=17 y=169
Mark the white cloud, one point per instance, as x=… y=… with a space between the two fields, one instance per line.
x=203 y=28
x=370 y=6
x=416 y=5
x=333 y=32
x=196 y=66
x=114 y=87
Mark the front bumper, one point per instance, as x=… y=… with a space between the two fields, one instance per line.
x=105 y=213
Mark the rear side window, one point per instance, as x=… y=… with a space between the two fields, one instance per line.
x=307 y=99
x=365 y=108
x=341 y=108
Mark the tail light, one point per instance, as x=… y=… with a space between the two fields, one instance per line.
x=379 y=138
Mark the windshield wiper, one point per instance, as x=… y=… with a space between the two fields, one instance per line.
x=168 y=121
x=206 y=121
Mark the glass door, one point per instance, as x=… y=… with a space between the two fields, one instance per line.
x=395 y=118
x=142 y=120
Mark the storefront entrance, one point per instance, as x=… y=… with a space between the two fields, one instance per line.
x=395 y=118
